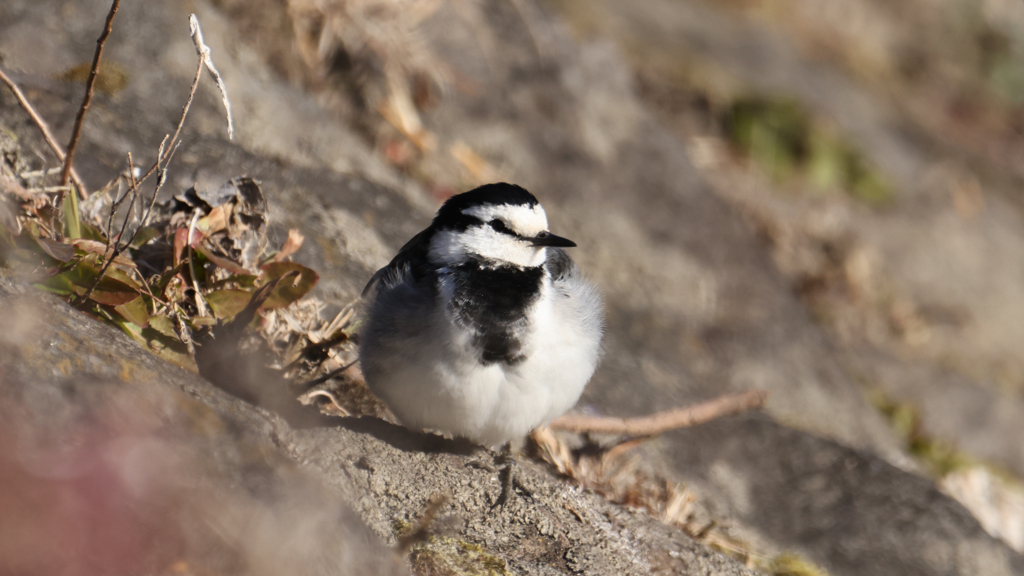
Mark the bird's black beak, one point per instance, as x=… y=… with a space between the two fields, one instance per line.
x=548 y=239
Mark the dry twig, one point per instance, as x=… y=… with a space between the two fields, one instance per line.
x=90 y=83
x=43 y=127
x=168 y=147
x=657 y=423
x=204 y=56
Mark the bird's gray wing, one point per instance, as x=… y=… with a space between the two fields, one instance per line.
x=411 y=259
x=560 y=264
x=581 y=301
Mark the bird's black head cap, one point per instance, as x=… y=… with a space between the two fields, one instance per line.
x=450 y=214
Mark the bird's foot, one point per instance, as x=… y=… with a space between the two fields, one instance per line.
x=506 y=464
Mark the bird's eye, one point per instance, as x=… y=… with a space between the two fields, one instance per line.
x=498 y=225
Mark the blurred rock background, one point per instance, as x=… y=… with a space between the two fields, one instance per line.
x=822 y=200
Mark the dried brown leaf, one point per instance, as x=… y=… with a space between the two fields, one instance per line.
x=288 y=290
x=290 y=246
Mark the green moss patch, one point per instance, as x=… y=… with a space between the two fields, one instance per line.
x=445 y=556
x=791 y=564
x=782 y=138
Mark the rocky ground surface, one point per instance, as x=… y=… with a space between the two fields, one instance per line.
x=705 y=265
x=165 y=473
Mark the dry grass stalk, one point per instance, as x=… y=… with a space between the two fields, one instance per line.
x=384 y=52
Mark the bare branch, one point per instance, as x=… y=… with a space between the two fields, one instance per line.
x=167 y=147
x=76 y=131
x=204 y=55
x=659 y=422
x=44 y=128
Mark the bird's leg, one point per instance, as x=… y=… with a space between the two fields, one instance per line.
x=506 y=464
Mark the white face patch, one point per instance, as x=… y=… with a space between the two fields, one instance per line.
x=523 y=220
x=455 y=247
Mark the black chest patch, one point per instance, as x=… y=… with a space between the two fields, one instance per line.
x=492 y=302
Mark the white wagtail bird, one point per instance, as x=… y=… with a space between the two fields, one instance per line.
x=482 y=326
